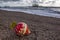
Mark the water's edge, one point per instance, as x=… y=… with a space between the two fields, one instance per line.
x=45 y=12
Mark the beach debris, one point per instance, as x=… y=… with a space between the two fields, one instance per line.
x=13 y=24
x=20 y=28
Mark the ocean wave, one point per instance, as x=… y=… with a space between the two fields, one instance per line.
x=36 y=12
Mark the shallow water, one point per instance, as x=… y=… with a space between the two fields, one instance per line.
x=44 y=12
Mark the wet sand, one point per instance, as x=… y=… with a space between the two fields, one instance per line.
x=42 y=28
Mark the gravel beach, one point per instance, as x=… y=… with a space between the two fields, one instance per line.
x=42 y=28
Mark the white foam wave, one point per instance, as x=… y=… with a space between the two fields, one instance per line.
x=37 y=12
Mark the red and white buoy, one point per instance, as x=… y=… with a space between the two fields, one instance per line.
x=22 y=29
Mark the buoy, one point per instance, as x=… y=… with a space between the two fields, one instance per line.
x=21 y=29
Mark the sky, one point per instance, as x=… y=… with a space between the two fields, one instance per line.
x=29 y=3
x=9 y=0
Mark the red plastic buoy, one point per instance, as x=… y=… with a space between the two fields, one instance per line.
x=22 y=29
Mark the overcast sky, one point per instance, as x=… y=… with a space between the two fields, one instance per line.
x=8 y=0
x=29 y=2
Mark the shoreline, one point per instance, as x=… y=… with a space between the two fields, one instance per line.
x=42 y=28
x=48 y=13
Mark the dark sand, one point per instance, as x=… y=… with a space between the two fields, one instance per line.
x=42 y=28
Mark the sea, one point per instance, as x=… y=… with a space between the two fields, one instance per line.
x=41 y=11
